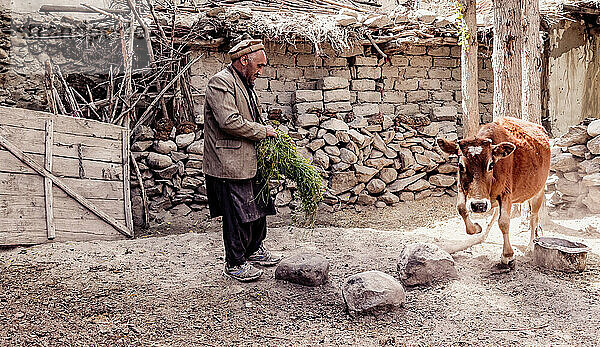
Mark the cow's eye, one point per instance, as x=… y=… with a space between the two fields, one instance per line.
x=491 y=166
x=461 y=167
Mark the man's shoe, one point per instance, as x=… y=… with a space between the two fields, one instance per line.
x=243 y=273
x=264 y=257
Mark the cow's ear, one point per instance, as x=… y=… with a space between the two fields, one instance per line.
x=449 y=147
x=503 y=149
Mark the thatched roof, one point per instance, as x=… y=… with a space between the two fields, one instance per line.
x=340 y=23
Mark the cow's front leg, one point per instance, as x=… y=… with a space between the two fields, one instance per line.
x=461 y=205
x=508 y=255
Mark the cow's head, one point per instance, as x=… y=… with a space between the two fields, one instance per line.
x=476 y=160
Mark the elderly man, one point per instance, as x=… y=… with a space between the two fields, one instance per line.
x=232 y=128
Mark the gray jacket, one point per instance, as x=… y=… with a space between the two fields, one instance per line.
x=230 y=134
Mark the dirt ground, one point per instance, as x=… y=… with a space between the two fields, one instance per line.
x=166 y=288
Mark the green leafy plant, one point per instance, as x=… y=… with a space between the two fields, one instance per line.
x=279 y=158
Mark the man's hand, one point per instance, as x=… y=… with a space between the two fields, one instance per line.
x=271 y=132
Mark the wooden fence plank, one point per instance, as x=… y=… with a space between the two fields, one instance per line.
x=62 y=124
x=20 y=184
x=64 y=167
x=126 y=178
x=64 y=207
x=39 y=169
x=47 y=182
x=66 y=145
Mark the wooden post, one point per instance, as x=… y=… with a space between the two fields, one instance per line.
x=50 y=228
x=506 y=59
x=532 y=62
x=126 y=182
x=469 y=74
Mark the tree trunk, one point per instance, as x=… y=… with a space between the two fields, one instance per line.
x=469 y=76
x=506 y=59
x=532 y=62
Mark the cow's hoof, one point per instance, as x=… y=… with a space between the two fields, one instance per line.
x=502 y=268
x=507 y=260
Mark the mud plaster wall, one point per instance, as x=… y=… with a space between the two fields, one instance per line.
x=574 y=76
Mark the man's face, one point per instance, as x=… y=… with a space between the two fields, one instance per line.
x=253 y=64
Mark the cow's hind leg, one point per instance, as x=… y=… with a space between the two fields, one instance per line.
x=508 y=255
x=472 y=228
x=535 y=204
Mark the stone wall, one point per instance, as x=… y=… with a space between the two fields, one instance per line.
x=574 y=184
x=369 y=126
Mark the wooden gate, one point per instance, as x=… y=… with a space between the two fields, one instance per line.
x=62 y=178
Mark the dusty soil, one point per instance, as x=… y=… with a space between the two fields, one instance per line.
x=166 y=288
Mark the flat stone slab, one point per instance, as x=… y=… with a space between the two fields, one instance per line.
x=306 y=269
x=372 y=291
x=425 y=264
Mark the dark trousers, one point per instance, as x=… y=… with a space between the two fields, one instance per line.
x=242 y=239
x=244 y=215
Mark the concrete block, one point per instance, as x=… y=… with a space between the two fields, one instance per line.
x=336 y=95
x=399 y=60
x=366 y=61
x=328 y=83
x=446 y=62
x=420 y=61
x=372 y=72
x=442 y=51
x=417 y=95
x=440 y=73
x=341 y=106
x=362 y=85
x=408 y=84
x=415 y=72
x=429 y=84
x=308 y=96
x=394 y=97
x=366 y=110
x=369 y=97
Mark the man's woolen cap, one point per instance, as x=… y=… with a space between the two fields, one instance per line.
x=245 y=47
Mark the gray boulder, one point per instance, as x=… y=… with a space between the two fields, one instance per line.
x=372 y=291
x=305 y=269
x=424 y=264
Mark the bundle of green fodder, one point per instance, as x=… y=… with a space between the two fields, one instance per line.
x=279 y=158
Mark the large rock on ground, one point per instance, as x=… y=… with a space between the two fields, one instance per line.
x=372 y=291
x=305 y=269
x=424 y=264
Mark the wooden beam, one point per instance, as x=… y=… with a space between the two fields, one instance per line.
x=50 y=229
x=58 y=182
x=126 y=183
x=76 y=9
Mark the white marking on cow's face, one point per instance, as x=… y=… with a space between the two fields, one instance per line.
x=475 y=150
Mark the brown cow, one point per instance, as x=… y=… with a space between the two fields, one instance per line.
x=506 y=162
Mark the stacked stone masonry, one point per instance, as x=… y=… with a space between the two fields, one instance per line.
x=574 y=184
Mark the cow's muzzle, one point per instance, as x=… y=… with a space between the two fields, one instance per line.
x=478 y=205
